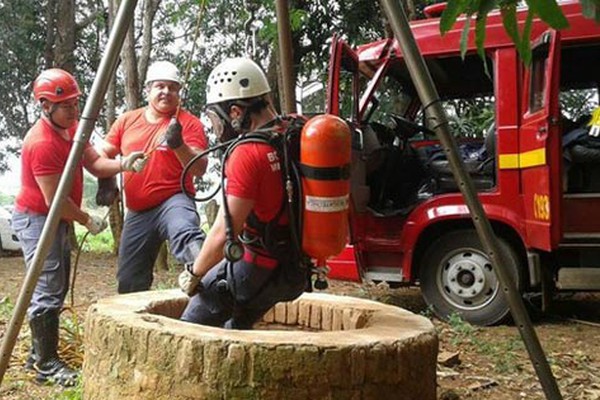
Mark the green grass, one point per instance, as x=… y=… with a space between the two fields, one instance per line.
x=100 y=243
x=6 y=308
x=427 y=312
x=463 y=331
x=504 y=354
x=73 y=393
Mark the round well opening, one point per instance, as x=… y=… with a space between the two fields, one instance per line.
x=318 y=346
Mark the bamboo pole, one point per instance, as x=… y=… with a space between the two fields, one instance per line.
x=430 y=99
x=106 y=70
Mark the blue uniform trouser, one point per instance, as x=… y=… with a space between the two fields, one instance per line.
x=175 y=220
x=236 y=295
x=53 y=283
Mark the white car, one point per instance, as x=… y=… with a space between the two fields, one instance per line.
x=8 y=237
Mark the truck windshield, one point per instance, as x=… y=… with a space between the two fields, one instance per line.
x=467 y=93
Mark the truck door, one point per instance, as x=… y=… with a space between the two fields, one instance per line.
x=343 y=83
x=539 y=157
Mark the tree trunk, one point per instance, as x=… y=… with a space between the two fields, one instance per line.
x=50 y=34
x=135 y=70
x=129 y=63
x=274 y=78
x=210 y=210
x=149 y=13
x=162 y=262
x=63 y=51
x=65 y=38
x=411 y=9
x=115 y=212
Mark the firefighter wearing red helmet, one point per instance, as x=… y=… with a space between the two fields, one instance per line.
x=44 y=155
x=236 y=291
x=55 y=85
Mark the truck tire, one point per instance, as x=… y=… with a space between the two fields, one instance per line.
x=457 y=277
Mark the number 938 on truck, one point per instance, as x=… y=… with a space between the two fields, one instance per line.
x=526 y=138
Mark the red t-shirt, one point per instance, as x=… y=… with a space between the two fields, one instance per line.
x=253 y=172
x=44 y=153
x=159 y=179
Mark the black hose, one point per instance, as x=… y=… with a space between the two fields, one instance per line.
x=189 y=165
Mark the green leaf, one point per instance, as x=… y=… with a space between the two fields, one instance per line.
x=464 y=37
x=524 y=46
x=480 y=39
x=485 y=6
x=549 y=12
x=509 y=20
x=451 y=13
x=297 y=18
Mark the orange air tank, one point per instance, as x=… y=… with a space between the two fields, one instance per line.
x=325 y=154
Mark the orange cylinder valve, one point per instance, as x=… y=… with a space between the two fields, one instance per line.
x=325 y=154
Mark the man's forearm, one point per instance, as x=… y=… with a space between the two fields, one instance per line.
x=105 y=167
x=185 y=153
x=212 y=250
x=71 y=212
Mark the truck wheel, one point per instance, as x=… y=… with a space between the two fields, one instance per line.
x=457 y=277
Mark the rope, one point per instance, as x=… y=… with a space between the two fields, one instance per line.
x=249 y=29
x=186 y=75
x=188 y=66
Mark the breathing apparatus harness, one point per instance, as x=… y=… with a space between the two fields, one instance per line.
x=270 y=236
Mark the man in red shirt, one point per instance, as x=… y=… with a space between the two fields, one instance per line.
x=45 y=151
x=235 y=293
x=157 y=209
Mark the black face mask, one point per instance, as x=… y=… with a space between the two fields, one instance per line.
x=222 y=128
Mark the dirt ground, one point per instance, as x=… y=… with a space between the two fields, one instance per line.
x=474 y=363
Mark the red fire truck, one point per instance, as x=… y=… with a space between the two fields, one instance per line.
x=536 y=169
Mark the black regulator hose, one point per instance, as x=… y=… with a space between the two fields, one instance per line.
x=235 y=248
x=191 y=163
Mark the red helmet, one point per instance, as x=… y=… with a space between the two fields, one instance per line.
x=55 y=85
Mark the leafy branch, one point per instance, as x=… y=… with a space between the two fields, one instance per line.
x=547 y=10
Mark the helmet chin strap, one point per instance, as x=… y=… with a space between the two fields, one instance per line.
x=245 y=121
x=238 y=124
x=241 y=125
x=48 y=115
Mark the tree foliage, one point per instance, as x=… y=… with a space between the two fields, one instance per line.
x=226 y=29
x=547 y=10
x=22 y=47
x=35 y=35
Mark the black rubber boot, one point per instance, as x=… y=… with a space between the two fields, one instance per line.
x=49 y=367
x=31 y=358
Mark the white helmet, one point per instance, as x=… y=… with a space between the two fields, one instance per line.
x=236 y=78
x=163 y=71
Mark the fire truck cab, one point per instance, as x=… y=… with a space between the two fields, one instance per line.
x=523 y=136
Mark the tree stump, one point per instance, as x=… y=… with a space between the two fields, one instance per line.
x=211 y=209
x=324 y=347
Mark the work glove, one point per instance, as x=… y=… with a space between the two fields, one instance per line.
x=173 y=134
x=107 y=191
x=95 y=225
x=189 y=283
x=134 y=162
